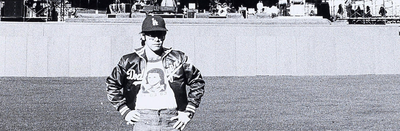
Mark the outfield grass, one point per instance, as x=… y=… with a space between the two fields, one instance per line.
x=362 y=102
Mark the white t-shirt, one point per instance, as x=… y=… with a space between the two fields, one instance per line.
x=155 y=92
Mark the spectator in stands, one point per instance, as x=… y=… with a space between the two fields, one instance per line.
x=349 y=10
x=359 y=12
x=38 y=9
x=185 y=11
x=368 y=12
x=53 y=12
x=382 y=11
x=340 y=11
x=260 y=6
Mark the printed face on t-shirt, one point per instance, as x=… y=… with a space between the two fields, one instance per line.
x=153 y=79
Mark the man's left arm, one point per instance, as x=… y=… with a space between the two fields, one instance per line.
x=196 y=83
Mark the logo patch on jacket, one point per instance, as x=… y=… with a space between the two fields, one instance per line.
x=132 y=75
x=171 y=68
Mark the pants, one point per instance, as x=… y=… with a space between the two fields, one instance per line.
x=156 y=120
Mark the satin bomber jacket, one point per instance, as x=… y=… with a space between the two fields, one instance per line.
x=125 y=80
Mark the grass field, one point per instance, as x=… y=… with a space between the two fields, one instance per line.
x=362 y=102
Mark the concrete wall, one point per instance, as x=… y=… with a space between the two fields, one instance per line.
x=93 y=49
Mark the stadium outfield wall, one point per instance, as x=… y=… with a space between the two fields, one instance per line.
x=235 y=49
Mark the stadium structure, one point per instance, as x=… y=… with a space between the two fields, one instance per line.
x=354 y=11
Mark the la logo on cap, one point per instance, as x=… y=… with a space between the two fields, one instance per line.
x=155 y=22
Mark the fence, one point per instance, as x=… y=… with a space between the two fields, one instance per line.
x=241 y=49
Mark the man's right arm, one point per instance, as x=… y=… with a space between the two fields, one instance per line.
x=114 y=86
x=115 y=93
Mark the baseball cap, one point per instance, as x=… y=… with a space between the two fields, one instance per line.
x=153 y=23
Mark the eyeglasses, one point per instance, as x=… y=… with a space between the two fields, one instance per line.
x=158 y=34
x=154 y=37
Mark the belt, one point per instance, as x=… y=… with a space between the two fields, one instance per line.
x=158 y=112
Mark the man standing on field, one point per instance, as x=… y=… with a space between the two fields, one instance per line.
x=148 y=86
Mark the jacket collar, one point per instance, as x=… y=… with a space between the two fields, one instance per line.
x=140 y=52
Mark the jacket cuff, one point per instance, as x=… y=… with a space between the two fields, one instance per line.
x=190 y=109
x=124 y=110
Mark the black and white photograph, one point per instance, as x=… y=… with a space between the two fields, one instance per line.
x=199 y=65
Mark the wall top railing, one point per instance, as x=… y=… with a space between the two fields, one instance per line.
x=278 y=21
